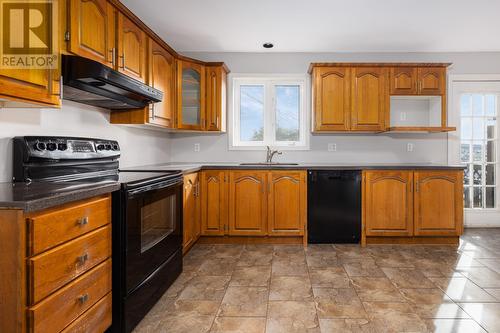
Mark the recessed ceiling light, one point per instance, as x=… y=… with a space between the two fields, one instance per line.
x=268 y=45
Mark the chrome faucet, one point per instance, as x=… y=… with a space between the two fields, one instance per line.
x=270 y=154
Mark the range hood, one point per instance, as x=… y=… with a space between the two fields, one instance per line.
x=90 y=82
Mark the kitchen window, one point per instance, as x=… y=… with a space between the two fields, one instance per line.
x=478 y=148
x=268 y=111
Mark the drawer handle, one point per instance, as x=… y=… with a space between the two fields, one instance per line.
x=83 y=221
x=83 y=298
x=82 y=259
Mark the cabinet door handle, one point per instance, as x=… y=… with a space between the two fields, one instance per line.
x=417 y=187
x=83 y=221
x=123 y=60
x=83 y=298
x=113 y=56
x=82 y=259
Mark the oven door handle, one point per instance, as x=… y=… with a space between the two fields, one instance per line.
x=154 y=187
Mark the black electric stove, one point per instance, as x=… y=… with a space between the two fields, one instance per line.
x=147 y=215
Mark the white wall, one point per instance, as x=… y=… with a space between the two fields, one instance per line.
x=375 y=148
x=139 y=146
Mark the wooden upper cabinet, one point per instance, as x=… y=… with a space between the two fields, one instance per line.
x=216 y=77
x=287 y=203
x=36 y=86
x=247 y=203
x=404 y=80
x=190 y=95
x=92 y=30
x=370 y=102
x=431 y=80
x=331 y=93
x=214 y=202
x=162 y=77
x=388 y=203
x=132 y=48
x=438 y=203
x=191 y=216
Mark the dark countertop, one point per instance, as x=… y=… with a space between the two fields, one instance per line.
x=190 y=167
x=38 y=196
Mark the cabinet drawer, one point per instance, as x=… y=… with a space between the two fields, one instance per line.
x=57 y=226
x=96 y=320
x=64 y=306
x=54 y=268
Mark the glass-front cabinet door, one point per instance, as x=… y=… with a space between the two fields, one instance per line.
x=191 y=95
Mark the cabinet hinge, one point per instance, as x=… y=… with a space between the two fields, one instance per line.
x=67 y=36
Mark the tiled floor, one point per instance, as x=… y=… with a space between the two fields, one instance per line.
x=335 y=288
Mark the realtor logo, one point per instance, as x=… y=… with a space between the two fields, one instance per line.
x=28 y=31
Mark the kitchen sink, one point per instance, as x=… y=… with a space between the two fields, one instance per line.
x=269 y=164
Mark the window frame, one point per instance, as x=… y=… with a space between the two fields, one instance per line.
x=269 y=81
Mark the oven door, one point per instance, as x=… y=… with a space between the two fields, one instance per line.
x=153 y=228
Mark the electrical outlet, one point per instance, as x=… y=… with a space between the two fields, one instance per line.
x=409 y=147
x=402 y=116
x=332 y=147
x=196 y=147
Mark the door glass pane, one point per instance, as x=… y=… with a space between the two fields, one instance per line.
x=478 y=129
x=467 y=197
x=491 y=128
x=477 y=105
x=477 y=175
x=478 y=197
x=191 y=97
x=466 y=129
x=490 y=197
x=157 y=221
x=252 y=113
x=466 y=106
x=490 y=174
x=467 y=175
x=465 y=152
x=287 y=113
x=490 y=105
x=491 y=154
x=477 y=152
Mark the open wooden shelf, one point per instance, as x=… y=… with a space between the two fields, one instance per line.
x=429 y=129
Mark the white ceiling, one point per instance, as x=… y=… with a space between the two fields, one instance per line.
x=324 y=25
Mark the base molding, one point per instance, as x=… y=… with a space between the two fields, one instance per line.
x=250 y=240
x=451 y=240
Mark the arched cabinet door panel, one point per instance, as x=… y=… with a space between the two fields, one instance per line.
x=214 y=202
x=438 y=203
x=191 y=211
x=388 y=203
x=247 y=203
x=404 y=81
x=132 y=47
x=287 y=203
x=331 y=93
x=431 y=80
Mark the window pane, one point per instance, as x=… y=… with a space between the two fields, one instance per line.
x=465 y=152
x=465 y=102
x=478 y=197
x=467 y=175
x=490 y=174
x=490 y=105
x=477 y=152
x=491 y=155
x=490 y=127
x=490 y=197
x=477 y=175
x=466 y=129
x=251 y=113
x=287 y=113
x=477 y=105
x=478 y=129
x=467 y=197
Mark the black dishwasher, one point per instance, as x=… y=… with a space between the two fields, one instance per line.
x=334 y=206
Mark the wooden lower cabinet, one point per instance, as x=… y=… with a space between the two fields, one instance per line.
x=191 y=211
x=421 y=203
x=214 y=202
x=247 y=203
x=287 y=203
x=438 y=203
x=62 y=284
x=388 y=201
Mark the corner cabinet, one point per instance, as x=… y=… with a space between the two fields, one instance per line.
x=413 y=204
x=190 y=95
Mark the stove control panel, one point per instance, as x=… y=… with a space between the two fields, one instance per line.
x=65 y=148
